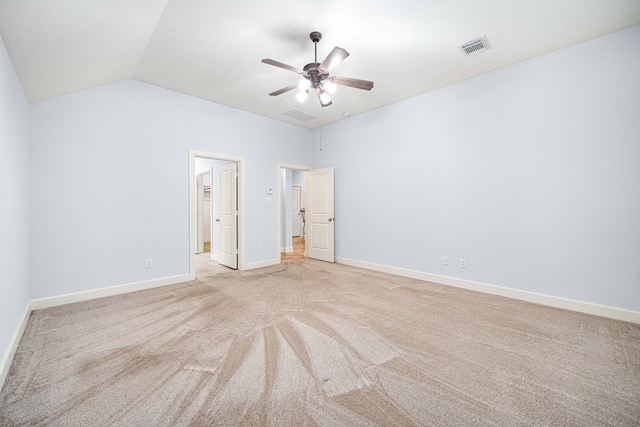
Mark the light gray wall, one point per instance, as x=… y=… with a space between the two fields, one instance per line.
x=14 y=204
x=531 y=173
x=133 y=139
x=300 y=178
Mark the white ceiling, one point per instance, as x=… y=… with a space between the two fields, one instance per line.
x=212 y=48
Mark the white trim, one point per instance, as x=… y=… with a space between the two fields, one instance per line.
x=261 y=264
x=548 y=300
x=279 y=168
x=242 y=221
x=37 y=304
x=7 y=358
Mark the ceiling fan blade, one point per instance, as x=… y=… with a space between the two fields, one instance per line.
x=336 y=56
x=284 y=89
x=281 y=65
x=324 y=98
x=357 y=83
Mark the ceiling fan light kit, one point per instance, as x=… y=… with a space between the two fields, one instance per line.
x=302 y=95
x=325 y=99
x=316 y=75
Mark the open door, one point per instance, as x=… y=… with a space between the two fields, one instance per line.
x=227 y=219
x=319 y=215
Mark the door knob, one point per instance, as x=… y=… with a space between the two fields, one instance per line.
x=217 y=219
x=330 y=219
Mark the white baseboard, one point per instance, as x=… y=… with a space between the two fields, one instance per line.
x=37 y=304
x=548 y=300
x=7 y=358
x=260 y=264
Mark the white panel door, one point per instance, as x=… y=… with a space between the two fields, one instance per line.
x=296 y=219
x=319 y=211
x=227 y=220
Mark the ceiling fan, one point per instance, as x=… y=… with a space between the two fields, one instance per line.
x=316 y=75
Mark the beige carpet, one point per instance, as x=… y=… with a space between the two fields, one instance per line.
x=311 y=343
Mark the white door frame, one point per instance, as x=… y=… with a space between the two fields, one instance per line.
x=279 y=196
x=241 y=162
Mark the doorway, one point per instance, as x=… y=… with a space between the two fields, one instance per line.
x=318 y=232
x=204 y=204
x=292 y=188
x=225 y=176
x=296 y=207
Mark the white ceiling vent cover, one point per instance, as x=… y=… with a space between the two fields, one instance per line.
x=300 y=115
x=475 y=46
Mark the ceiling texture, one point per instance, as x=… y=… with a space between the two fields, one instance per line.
x=212 y=49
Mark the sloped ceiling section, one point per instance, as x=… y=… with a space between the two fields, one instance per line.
x=58 y=47
x=212 y=49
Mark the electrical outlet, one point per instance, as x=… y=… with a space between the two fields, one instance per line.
x=148 y=263
x=445 y=260
x=341 y=246
x=463 y=263
x=259 y=249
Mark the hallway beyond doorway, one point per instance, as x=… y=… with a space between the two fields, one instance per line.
x=298 y=250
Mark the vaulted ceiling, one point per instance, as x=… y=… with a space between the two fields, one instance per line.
x=213 y=49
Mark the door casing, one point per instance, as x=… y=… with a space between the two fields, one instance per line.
x=241 y=162
x=280 y=167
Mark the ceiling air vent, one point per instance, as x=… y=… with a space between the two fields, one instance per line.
x=300 y=115
x=475 y=46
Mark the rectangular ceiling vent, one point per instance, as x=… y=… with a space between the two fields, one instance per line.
x=475 y=46
x=300 y=115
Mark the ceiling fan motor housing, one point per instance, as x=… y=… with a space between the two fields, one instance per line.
x=312 y=71
x=314 y=74
x=315 y=36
